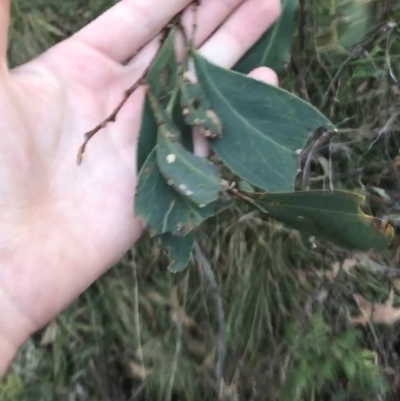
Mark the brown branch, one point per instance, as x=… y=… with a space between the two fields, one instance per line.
x=112 y=117
x=239 y=195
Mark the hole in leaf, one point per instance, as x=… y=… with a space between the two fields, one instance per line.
x=165 y=76
x=196 y=103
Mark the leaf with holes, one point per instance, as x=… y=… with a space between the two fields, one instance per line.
x=263 y=126
x=162 y=209
x=197 y=110
x=178 y=249
x=335 y=217
x=193 y=177
x=272 y=49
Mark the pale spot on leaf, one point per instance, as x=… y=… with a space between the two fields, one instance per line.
x=171 y=158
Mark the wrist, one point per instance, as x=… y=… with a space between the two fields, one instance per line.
x=15 y=329
x=8 y=352
x=45 y=263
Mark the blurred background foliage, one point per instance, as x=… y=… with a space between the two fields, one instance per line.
x=291 y=306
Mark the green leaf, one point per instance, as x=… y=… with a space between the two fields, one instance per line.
x=355 y=19
x=178 y=249
x=193 y=177
x=272 y=49
x=263 y=126
x=329 y=216
x=163 y=73
x=197 y=110
x=147 y=134
x=162 y=209
x=162 y=79
x=244 y=186
x=183 y=127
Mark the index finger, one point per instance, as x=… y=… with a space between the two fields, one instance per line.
x=129 y=25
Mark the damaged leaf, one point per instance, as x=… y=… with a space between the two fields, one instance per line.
x=335 y=217
x=197 y=110
x=193 y=177
x=184 y=128
x=178 y=249
x=162 y=209
x=163 y=73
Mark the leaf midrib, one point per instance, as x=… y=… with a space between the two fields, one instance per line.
x=313 y=209
x=239 y=116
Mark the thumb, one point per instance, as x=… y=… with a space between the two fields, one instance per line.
x=264 y=74
x=4 y=22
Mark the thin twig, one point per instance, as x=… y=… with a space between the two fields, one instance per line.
x=127 y=94
x=207 y=270
x=357 y=51
x=239 y=195
x=354 y=54
x=302 y=45
x=319 y=139
x=112 y=117
x=330 y=167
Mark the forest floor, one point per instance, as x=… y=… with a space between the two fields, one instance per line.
x=141 y=333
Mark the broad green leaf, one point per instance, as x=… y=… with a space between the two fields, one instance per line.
x=147 y=134
x=272 y=49
x=329 y=216
x=197 y=110
x=162 y=209
x=162 y=79
x=263 y=126
x=178 y=249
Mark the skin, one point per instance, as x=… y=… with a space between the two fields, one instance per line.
x=62 y=226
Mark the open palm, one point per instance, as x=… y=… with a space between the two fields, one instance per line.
x=63 y=225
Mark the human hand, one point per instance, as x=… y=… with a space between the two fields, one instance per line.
x=62 y=226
